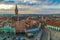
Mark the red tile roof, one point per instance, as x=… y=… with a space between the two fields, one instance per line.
x=53 y=23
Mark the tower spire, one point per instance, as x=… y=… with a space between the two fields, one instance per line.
x=16 y=11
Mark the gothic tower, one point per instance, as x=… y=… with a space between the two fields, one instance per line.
x=16 y=11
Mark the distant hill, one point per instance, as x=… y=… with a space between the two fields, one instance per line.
x=22 y=15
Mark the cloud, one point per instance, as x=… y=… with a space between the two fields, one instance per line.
x=1 y=0
x=3 y=6
x=35 y=2
x=35 y=6
x=51 y=6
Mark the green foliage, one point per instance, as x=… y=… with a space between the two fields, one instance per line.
x=10 y=21
x=1 y=20
x=8 y=28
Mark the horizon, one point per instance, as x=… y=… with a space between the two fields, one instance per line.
x=32 y=6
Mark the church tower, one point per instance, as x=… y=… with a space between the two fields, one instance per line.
x=16 y=10
x=15 y=17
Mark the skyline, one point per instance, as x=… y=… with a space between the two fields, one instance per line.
x=34 y=6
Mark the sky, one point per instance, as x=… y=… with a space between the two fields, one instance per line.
x=34 y=6
x=46 y=3
x=36 y=2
